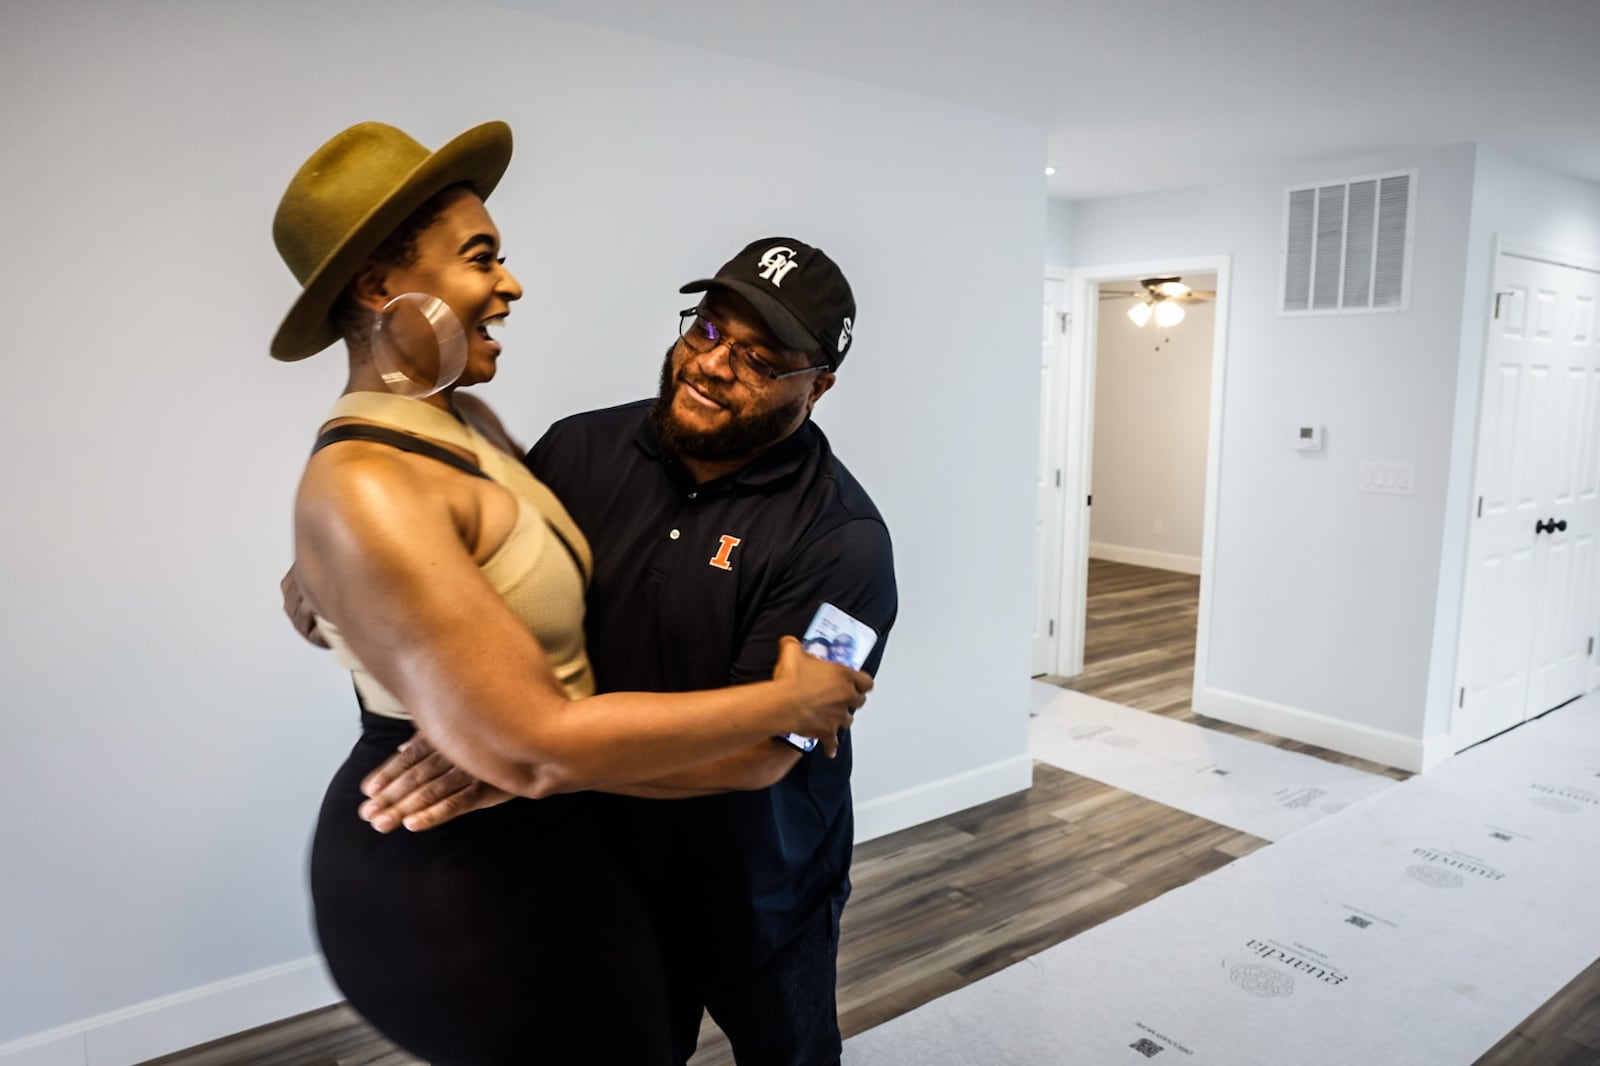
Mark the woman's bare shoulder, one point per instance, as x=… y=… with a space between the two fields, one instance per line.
x=356 y=485
x=371 y=525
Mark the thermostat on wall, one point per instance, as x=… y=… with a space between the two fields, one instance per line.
x=1309 y=438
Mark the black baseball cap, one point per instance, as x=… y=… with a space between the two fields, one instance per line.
x=797 y=290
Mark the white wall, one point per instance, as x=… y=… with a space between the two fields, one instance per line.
x=1058 y=235
x=168 y=737
x=1323 y=598
x=1152 y=403
x=1518 y=203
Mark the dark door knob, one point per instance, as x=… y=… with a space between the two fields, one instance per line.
x=1541 y=527
x=1560 y=526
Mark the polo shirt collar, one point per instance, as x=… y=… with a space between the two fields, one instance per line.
x=780 y=461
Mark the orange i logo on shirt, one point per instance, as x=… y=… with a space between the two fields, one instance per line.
x=723 y=559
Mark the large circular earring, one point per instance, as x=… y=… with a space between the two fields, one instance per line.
x=418 y=345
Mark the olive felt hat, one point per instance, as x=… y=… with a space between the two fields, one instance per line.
x=349 y=196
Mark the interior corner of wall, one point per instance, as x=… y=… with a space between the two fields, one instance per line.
x=1435 y=750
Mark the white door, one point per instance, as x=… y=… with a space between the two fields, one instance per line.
x=1563 y=624
x=1530 y=583
x=1047 y=494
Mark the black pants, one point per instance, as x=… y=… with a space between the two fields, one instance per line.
x=783 y=1014
x=504 y=938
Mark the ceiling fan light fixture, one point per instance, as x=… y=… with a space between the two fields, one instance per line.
x=1168 y=314
x=1170 y=287
x=1139 y=314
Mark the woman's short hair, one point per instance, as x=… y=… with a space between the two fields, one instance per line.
x=398 y=249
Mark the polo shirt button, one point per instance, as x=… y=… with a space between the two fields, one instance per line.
x=692 y=495
x=673 y=534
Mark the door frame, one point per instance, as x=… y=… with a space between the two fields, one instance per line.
x=1077 y=407
x=1053 y=431
x=1503 y=246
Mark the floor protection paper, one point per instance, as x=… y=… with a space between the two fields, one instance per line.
x=1415 y=928
x=1243 y=784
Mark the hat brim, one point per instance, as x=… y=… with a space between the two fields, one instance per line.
x=784 y=325
x=480 y=156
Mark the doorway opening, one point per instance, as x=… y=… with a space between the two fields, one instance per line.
x=1136 y=429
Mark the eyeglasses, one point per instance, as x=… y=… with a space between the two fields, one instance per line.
x=751 y=363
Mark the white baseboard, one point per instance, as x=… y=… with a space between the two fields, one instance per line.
x=195 y=1016
x=1392 y=749
x=1116 y=553
x=46 y=1049
x=902 y=810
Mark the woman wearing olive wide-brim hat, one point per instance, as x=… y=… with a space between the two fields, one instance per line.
x=450 y=582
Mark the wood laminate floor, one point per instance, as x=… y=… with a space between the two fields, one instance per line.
x=943 y=904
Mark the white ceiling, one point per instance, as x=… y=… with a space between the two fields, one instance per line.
x=1138 y=97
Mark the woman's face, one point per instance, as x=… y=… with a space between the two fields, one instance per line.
x=458 y=261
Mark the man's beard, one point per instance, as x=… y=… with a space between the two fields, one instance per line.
x=742 y=436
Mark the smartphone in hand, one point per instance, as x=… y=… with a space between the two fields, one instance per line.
x=835 y=636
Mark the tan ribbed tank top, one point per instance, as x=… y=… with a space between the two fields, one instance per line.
x=540 y=571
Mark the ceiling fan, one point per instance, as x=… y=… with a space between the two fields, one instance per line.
x=1163 y=300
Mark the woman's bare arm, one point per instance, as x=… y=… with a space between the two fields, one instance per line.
x=419 y=788
x=379 y=554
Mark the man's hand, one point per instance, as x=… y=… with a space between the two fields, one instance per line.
x=419 y=789
x=298 y=610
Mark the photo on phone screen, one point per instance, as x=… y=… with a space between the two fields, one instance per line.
x=835 y=636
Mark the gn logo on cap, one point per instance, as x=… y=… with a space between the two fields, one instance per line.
x=775 y=263
x=723 y=559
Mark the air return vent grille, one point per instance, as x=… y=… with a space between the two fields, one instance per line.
x=1347 y=245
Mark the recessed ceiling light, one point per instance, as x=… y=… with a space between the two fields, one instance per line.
x=1049 y=172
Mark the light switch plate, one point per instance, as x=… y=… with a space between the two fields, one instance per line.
x=1390 y=479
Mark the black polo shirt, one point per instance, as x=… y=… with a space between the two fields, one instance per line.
x=693 y=585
